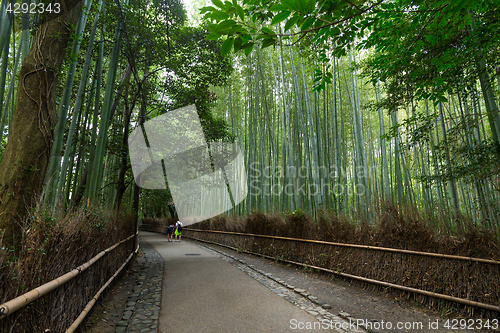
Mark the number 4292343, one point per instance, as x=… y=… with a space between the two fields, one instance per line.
x=33 y=8
x=471 y=324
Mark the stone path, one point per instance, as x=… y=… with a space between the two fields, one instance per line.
x=343 y=322
x=143 y=305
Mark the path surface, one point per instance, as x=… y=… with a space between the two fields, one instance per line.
x=190 y=287
x=202 y=293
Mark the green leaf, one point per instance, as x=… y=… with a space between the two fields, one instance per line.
x=277 y=8
x=291 y=22
x=267 y=30
x=301 y=5
x=207 y=9
x=280 y=17
x=290 y=4
x=213 y=36
x=268 y=42
x=248 y=47
x=334 y=31
x=308 y=23
x=310 y=5
x=219 y=15
x=218 y=3
x=224 y=25
x=226 y=46
x=240 y=12
x=233 y=30
x=237 y=44
x=319 y=87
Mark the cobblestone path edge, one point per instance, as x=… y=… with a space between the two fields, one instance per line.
x=143 y=305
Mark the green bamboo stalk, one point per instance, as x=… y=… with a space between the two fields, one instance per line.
x=25 y=33
x=95 y=122
x=3 y=75
x=488 y=95
x=9 y=107
x=6 y=24
x=315 y=162
x=397 y=159
x=51 y=178
x=80 y=165
x=453 y=189
x=76 y=111
x=96 y=175
x=338 y=138
x=289 y=177
x=3 y=7
x=385 y=168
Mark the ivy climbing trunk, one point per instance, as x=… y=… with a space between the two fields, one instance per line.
x=26 y=157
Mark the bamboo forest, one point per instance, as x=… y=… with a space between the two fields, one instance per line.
x=337 y=106
x=345 y=108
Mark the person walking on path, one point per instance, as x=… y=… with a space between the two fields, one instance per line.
x=178 y=231
x=170 y=231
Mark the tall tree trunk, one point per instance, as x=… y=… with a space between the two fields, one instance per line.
x=27 y=153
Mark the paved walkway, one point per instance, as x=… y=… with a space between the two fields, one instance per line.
x=143 y=305
x=202 y=293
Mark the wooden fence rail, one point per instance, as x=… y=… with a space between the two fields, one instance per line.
x=490 y=307
x=17 y=303
x=367 y=247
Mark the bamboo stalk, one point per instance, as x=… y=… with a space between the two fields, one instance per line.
x=51 y=178
x=76 y=113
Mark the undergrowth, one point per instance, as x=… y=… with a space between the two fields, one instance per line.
x=52 y=247
x=394 y=228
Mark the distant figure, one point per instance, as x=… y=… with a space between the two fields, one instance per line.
x=170 y=231
x=178 y=231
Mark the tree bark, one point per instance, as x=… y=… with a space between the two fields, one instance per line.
x=26 y=157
